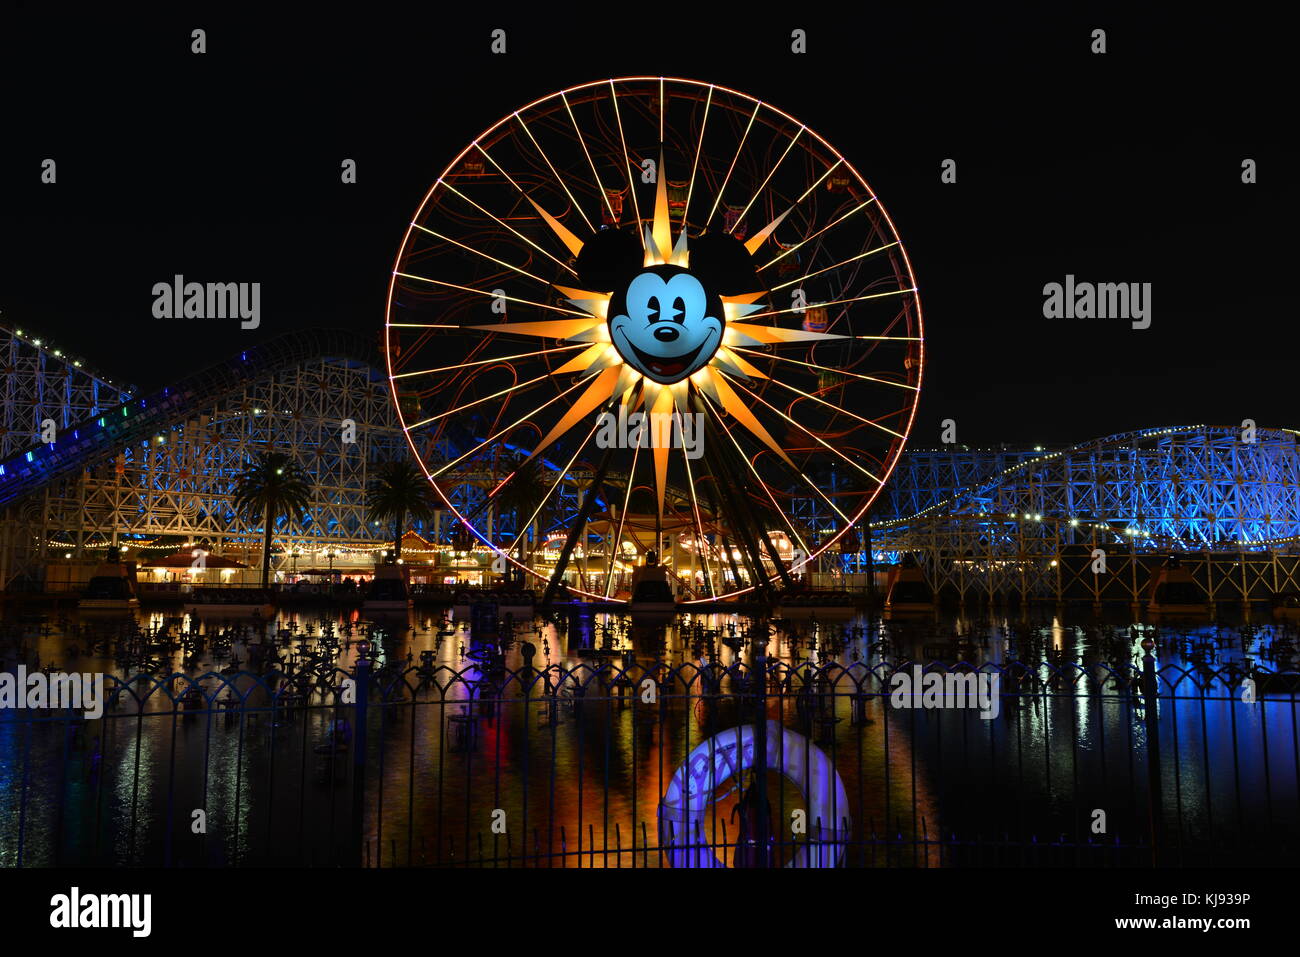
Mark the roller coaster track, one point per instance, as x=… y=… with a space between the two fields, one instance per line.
x=985 y=500
x=98 y=438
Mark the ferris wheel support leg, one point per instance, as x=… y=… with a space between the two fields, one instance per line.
x=738 y=506
x=870 y=561
x=737 y=480
x=713 y=504
x=758 y=529
x=579 y=524
x=781 y=570
x=722 y=540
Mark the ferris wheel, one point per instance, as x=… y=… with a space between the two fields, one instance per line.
x=654 y=313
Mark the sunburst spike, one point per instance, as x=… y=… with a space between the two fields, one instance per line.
x=662 y=408
x=753 y=243
x=734 y=404
x=601 y=388
x=597 y=307
x=573 y=242
x=609 y=357
x=627 y=380
x=734 y=364
x=766 y=334
x=734 y=310
x=731 y=336
x=583 y=360
x=662 y=224
x=681 y=255
x=597 y=333
x=572 y=292
x=653 y=257
x=635 y=395
x=703 y=380
x=546 y=328
x=744 y=298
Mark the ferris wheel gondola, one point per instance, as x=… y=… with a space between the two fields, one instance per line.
x=653 y=311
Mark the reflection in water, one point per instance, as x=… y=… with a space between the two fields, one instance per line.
x=557 y=742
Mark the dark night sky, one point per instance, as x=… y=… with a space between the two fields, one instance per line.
x=1121 y=168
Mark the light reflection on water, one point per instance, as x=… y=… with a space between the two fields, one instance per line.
x=125 y=789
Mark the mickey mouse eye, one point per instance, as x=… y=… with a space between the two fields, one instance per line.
x=678 y=314
x=652 y=309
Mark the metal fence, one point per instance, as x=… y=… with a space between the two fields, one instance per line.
x=618 y=762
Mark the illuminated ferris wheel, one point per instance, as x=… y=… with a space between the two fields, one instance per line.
x=654 y=313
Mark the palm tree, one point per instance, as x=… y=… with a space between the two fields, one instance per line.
x=523 y=496
x=397 y=491
x=272 y=486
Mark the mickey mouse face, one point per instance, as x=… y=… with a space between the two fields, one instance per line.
x=665 y=324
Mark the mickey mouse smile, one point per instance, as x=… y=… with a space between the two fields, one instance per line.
x=663 y=366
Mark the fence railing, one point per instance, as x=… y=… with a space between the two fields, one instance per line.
x=615 y=762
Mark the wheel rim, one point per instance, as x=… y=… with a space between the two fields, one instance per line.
x=502 y=359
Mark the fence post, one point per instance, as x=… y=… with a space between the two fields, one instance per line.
x=361 y=677
x=762 y=826
x=1151 y=694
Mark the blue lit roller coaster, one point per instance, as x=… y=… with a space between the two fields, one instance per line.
x=156 y=471
x=1224 y=501
x=79 y=444
x=980 y=523
x=153 y=472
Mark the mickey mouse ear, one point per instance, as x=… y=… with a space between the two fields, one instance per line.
x=724 y=265
x=608 y=260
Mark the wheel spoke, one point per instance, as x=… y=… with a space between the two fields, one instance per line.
x=520 y=206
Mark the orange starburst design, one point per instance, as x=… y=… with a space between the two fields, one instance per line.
x=614 y=382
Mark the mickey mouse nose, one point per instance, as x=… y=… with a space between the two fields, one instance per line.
x=666 y=333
